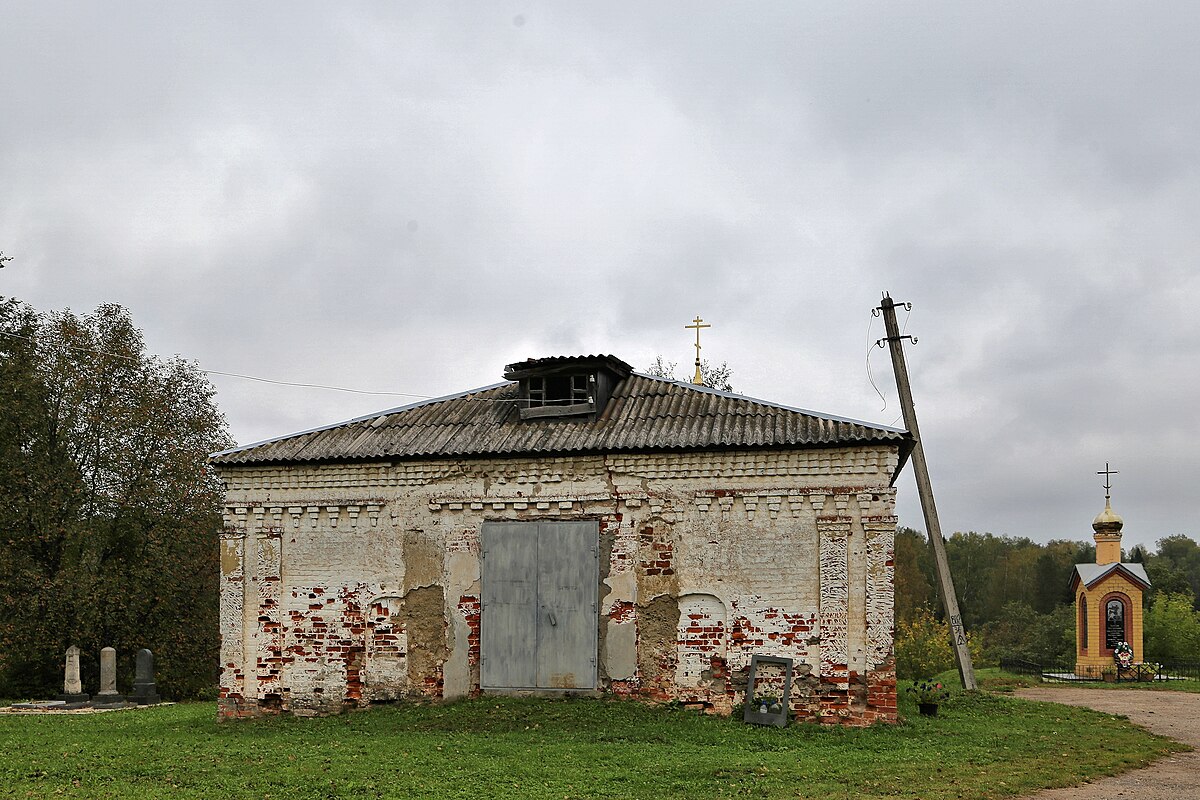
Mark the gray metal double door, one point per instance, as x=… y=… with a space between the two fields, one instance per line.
x=538 y=622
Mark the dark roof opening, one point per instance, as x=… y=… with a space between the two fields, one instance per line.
x=566 y=386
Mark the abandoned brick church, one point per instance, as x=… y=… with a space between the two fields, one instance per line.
x=577 y=528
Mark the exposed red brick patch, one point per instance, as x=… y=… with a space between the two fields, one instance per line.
x=469 y=608
x=623 y=612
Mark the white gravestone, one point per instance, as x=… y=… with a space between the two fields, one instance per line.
x=72 y=685
x=108 y=680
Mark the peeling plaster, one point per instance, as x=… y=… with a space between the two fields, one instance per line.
x=344 y=585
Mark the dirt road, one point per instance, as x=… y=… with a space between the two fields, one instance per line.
x=1173 y=714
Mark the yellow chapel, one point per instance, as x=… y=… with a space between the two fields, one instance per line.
x=1108 y=599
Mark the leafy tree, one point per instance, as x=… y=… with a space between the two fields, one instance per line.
x=661 y=368
x=1004 y=637
x=973 y=559
x=1052 y=636
x=107 y=506
x=715 y=377
x=1051 y=588
x=1054 y=567
x=1013 y=576
x=1180 y=550
x=914 y=575
x=1172 y=629
x=1178 y=554
x=923 y=647
x=991 y=571
x=1014 y=593
x=1166 y=579
x=1020 y=632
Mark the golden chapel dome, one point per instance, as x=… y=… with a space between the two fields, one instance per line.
x=1107 y=521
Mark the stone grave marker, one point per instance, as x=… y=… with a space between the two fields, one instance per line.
x=144 y=689
x=72 y=686
x=108 y=697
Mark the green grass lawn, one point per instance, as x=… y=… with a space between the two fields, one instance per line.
x=982 y=745
x=993 y=679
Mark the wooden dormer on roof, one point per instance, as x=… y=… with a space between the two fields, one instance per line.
x=566 y=386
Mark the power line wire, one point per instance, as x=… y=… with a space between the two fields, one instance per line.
x=227 y=374
x=315 y=385
x=64 y=345
x=870 y=376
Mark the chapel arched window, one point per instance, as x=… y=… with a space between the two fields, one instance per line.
x=1083 y=623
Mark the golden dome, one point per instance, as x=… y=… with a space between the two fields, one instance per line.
x=1107 y=521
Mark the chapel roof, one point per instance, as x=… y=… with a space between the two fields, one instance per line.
x=1091 y=574
x=644 y=413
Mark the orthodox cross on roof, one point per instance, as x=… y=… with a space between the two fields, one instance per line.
x=1107 y=473
x=698 y=323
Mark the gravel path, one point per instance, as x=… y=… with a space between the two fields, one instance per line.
x=1173 y=714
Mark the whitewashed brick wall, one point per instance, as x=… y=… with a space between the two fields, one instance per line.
x=344 y=584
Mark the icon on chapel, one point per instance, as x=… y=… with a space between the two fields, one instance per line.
x=1108 y=600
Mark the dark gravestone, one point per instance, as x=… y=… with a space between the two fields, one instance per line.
x=144 y=691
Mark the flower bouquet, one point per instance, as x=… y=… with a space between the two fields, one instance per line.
x=1123 y=655
x=928 y=695
x=769 y=704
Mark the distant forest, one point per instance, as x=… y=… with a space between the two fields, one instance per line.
x=1015 y=598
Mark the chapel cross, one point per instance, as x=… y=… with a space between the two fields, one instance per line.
x=1107 y=473
x=698 y=323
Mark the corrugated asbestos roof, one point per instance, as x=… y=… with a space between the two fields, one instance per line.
x=644 y=414
x=615 y=365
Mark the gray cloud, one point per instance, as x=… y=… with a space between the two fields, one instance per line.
x=406 y=198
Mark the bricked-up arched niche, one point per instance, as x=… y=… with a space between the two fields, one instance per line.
x=701 y=637
x=1116 y=619
x=385 y=673
x=1083 y=624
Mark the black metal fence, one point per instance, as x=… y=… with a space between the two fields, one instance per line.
x=1021 y=666
x=1148 y=671
x=1174 y=669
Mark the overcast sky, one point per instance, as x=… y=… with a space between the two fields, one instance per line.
x=404 y=197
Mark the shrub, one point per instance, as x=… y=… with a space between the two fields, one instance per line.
x=922 y=647
x=1172 y=629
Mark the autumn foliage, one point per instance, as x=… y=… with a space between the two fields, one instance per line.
x=108 y=511
x=1016 y=600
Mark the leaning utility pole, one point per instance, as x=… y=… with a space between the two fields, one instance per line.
x=925 y=489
